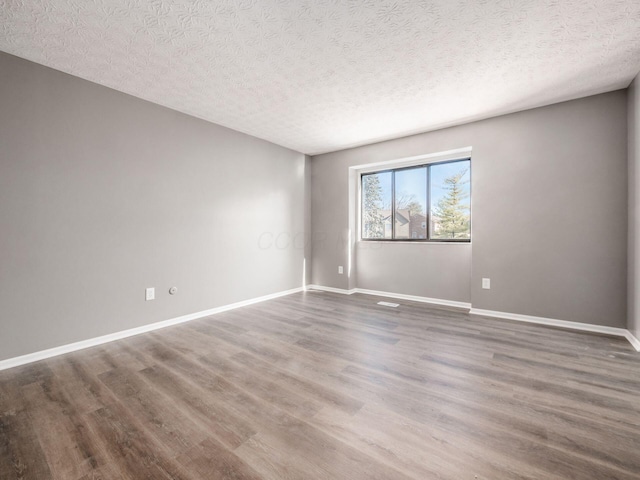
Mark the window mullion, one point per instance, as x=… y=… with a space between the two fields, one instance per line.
x=428 y=202
x=393 y=205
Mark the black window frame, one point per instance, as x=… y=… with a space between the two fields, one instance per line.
x=428 y=214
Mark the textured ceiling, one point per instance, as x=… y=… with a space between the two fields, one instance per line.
x=321 y=75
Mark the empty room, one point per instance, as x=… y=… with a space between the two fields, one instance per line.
x=319 y=239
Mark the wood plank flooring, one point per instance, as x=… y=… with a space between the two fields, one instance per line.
x=324 y=386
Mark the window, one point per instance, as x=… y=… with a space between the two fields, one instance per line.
x=421 y=203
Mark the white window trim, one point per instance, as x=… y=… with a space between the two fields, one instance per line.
x=455 y=154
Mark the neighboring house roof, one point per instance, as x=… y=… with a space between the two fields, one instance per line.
x=402 y=215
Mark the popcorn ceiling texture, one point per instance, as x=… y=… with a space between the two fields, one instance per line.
x=322 y=75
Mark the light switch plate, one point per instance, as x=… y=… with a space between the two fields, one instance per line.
x=150 y=294
x=486 y=283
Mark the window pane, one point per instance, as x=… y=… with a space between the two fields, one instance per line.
x=376 y=205
x=411 y=203
x=450 y=185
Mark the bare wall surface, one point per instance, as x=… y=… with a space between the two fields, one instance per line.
x=103 y=194
x=426 y=270
x=549 y=215
x=633 y=112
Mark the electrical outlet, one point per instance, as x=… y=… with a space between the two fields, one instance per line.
x=340 y=270
x=150 y=294
x=486 y=283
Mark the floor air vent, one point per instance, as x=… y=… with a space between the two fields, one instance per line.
x=389 y=304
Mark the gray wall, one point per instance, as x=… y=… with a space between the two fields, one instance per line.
x=103 y=194
x=441 y=271
x=549 y=215
x=633 y=111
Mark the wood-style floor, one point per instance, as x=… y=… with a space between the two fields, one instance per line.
x=323 y=386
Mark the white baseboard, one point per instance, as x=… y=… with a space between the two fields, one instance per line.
x=633 y=340
x=584 y=327
x=92 y=342
x=341 y=291
x=415 y=298
x=377 y=293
